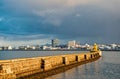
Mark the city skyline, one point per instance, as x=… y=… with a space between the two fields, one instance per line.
x=37 y=22
x=56 y=45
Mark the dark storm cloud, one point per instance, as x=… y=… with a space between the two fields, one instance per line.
x=84 y=20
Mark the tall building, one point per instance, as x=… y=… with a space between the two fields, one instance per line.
x=55 y=42
x=71 y=43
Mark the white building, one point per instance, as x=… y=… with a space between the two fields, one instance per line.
x=72 y=44
x=9 y=47
x=113 y=46
x=47 y=48
x=1 y=48
x=33 y=47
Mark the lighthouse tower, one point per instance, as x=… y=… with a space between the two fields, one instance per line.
x=95 y=49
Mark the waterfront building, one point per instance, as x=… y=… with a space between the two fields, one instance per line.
x=113 y=46
x=33 y=47
x=55 y=42
x=1 y=48
x=9 y=47
x=46 y=47
x=72 y=44
x=105 y=47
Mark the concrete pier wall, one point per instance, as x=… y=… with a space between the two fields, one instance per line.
x=16 y=68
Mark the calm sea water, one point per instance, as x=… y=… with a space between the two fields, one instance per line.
x=107 y=67
x=4 y=55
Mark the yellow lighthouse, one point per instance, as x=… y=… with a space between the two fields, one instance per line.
x=95 y=48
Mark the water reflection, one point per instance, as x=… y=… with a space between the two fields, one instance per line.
x=87 y=71
x=23 y=54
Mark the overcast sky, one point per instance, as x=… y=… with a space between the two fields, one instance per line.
x=38 y=21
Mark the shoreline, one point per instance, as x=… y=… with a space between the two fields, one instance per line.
x=56 y=50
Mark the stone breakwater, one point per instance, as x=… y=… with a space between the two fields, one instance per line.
x=44 y=66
